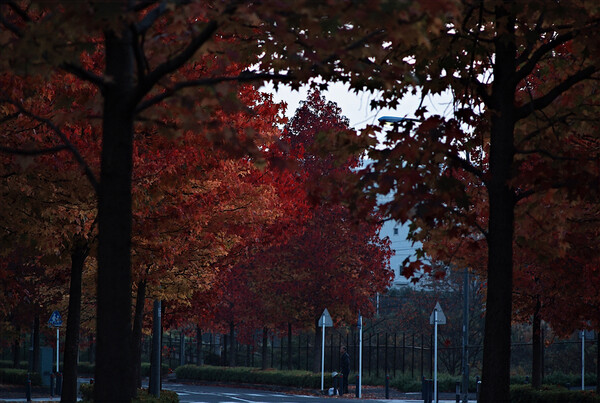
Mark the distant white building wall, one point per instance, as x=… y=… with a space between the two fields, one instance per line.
x=401 y=249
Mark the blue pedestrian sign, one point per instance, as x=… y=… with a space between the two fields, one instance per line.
x=55 y=319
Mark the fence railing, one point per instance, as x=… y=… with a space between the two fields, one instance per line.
x=383 y=353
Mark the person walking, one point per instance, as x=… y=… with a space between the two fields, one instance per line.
x=345 y=370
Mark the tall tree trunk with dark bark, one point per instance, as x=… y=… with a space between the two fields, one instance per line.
x=78 y=256
x=289 y=346
x=16 y=349
x=199 y=351
x=136 y=336
x=232 y=344
x=113 y=360
x=496 y=347
x=35 y=360
x=536 y=344
x=265 y=350
x=317 y=349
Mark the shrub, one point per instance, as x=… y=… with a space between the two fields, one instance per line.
x=559 y=378
x=164 y=369
x=86 y=368
x=9 y=364
x=550 y=394
x=166 y=396
x=301 y=379
x=13 y=376
x=406 y=383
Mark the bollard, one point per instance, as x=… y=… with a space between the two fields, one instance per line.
x=58 y=384
x=478 y=387
x=427 y=390
x=52 y=376
x=387 y=386
x=357 y=385
x=457 y=392
x=28 y=388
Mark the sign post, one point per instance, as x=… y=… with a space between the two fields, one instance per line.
x=56 y=321
x=584 y=334
x=360 y=330
x=324 y=322
x=437 y=318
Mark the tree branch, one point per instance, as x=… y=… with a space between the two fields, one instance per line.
x=67 y=144
x=10 y=26
x=142 y=5
x=466 y=165
x=150 y=18
x=540 y=52
x=545 y=100
x=84 y=74
x=22 y=151
x=171 y=65
x=243 y=77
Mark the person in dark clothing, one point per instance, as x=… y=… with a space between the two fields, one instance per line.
x=345 y=370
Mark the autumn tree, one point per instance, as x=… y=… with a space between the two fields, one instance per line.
x=522 y=75
x=143 y=47
x=325 y=259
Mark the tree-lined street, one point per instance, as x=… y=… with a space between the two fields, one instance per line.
x=140 y=162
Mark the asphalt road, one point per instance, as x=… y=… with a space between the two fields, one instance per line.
x=219 y=394
x=222 y=394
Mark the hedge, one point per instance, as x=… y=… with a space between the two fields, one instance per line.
x=9 y=364
x=550 y=394
x=11 y=376
x=300 y=379
x=164 y=369
x=86 y=391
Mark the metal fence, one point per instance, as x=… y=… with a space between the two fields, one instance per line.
x=399 y=353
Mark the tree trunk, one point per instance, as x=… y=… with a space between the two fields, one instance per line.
x=16 y=349
x=289 y=346
x=36 y=345
x=199 y=351
x=113 y=358
x=317 y=349
x=496 y=346
x=265 y=350
x=92 y=350
x=597 y=363
x=231 y=344
x=136 y=347
x=69 y=388
x=536 y=341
